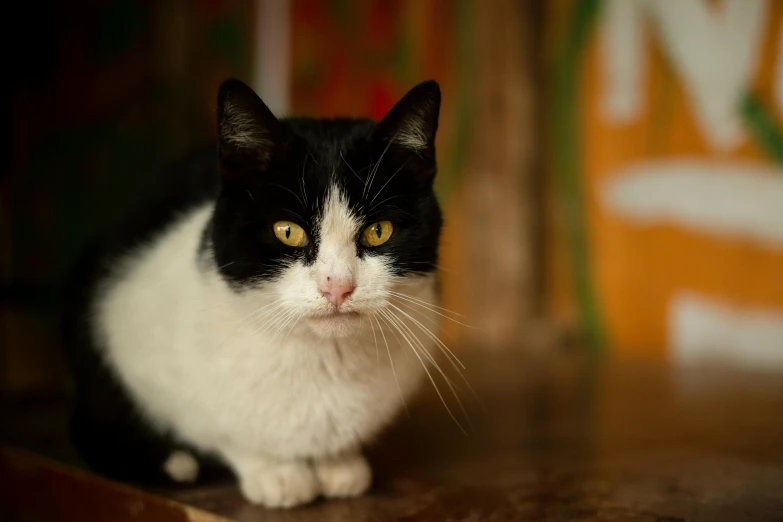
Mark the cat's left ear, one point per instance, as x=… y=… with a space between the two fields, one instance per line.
x=249 y=135
x=412 y=123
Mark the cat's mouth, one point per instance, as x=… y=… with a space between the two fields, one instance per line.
x=335 y=315
x=335 y=323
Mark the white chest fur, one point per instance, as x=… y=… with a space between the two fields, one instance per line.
x=227 y=380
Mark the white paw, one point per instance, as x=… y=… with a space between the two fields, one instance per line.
x=181 y=466
x=279 y=484
x=341 y=477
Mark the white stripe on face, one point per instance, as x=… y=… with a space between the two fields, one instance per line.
x=337 y=231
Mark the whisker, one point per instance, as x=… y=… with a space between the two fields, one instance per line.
x=293 y=316
x=371 y=176
x=453 y=359
x=384 y=201
x=302 y=180
x=266 y=322
x=439 y=267
x=429 y=319
x=395 y=322
x=422 y=301
x=282 y=323
x=391 y=362
x=446 y=378
x=364 y=182
x=387 y=182
x=269 y=320
x=261 y=309
x=294 y=213
x=292 y=328
x=436 y=312
x=447 y=351
x=295 y=319
x=377 y=353
x=396 y=208
x=215 y=306
x=241 y=322
x=287 y=190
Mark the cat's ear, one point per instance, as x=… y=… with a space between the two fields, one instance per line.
x=412 y=123
x=248 y=132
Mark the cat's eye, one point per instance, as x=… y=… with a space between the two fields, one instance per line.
x=290 y=233
x=378 y=233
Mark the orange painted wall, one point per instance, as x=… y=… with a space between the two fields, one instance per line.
x=636 y=269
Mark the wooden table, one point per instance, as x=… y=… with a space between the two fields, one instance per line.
x=560 y=438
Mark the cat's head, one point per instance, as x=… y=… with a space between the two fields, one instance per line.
x=328 y=216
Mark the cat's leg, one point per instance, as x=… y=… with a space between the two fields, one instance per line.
x=346 y=475
x=272 y=482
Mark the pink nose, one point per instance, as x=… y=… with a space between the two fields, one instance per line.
x=336 y=291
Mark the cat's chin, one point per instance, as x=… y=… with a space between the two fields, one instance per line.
x=337 y=324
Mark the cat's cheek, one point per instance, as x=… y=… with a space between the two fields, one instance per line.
x=297 y=288
x=376 y=275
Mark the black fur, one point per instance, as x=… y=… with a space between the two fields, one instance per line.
x=289 y=178
x=107 y=428
x=283 y=172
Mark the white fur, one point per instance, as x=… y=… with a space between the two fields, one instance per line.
x=181 y=466
x=275 y=394
x=345 y=476
x=412 y=134
x=241 y=129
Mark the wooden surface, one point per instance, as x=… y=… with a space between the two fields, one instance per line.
x=35 y=489
x=557 y=440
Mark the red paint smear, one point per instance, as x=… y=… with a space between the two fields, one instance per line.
x=356 y=74
x=334 y=86
x=211 y=6
x=381 y=99
x=308 y=12
x=380 y=24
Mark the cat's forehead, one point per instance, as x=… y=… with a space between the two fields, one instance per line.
x=334 y=163
x=338 y=221
x=325 y=139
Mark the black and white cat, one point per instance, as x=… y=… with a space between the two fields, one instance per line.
x=266 y=306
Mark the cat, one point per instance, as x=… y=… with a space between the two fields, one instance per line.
x=268 y=308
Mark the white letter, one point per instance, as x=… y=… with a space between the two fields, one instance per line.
x=623 y=59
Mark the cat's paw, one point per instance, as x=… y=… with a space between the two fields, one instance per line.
x=346 y=476
x=279 y=484
x=181 y=466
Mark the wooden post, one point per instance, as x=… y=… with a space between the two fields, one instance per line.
x=498 y=197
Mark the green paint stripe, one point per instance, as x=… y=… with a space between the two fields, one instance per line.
x=761 y=125
x=566 y=154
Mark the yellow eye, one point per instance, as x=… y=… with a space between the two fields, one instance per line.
x=378 y=233
x=289 y=233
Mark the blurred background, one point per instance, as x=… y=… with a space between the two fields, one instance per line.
x=610 y=170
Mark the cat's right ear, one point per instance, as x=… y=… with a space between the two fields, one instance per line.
x=249 y=135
